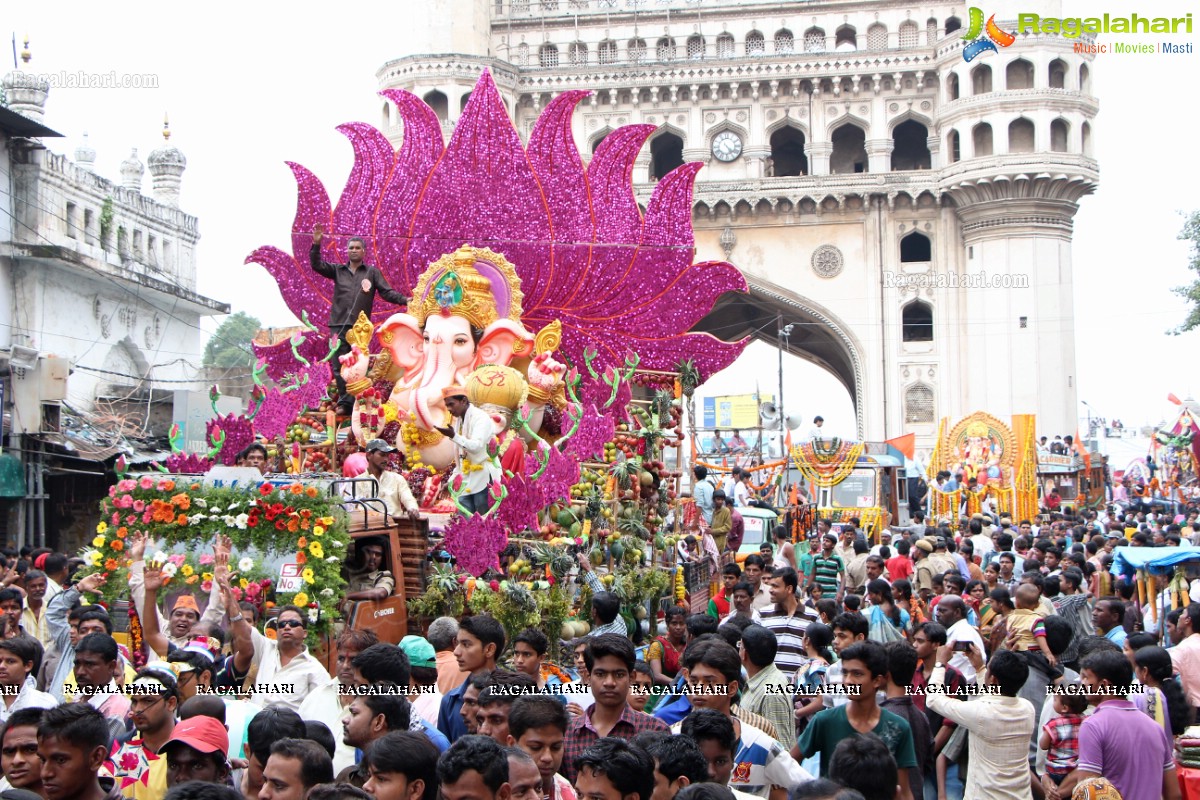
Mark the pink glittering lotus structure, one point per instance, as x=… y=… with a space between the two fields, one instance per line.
x=508 y=251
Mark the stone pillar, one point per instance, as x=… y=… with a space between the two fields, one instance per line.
x=818 y=157
x=1016 y=304
x=934 y=144
x=756 y=161
x=879 y=155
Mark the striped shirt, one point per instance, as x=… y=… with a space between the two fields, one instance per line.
x=789 y=635
x=828 y=571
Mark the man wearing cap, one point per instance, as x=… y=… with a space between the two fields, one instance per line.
x=185 y=614
x=422 y=659
x=198 y=750
x=926 y=568
x=394 y=490
x=153 y=698
x=471 y=429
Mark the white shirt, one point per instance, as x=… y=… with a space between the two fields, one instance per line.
x=395 y=493
x=741 y=495
x=29 y=697
x=324 y=705
x=1000 y=730
x=472 y=433
x=962 y=631
x=287 y=685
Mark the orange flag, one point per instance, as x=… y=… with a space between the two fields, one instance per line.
x=1084 y=454
x=906 y=444
x=1174 y=399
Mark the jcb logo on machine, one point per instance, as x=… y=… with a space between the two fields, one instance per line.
x=383 y=612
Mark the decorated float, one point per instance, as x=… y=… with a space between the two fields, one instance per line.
x=848 y=480
x=540 y=286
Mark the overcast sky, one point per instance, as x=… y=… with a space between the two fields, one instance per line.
x=247 y=91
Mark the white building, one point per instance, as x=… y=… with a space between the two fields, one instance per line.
x=97 y=280
x=864 y=176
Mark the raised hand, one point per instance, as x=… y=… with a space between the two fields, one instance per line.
x=137 y=545
x=154 y=577
x=318 y=233
x=221 y=553
x=354 y=364
x=91 y=583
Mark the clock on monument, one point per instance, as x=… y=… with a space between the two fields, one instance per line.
x=726 y=146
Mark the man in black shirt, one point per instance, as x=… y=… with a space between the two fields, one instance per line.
x=354 y=288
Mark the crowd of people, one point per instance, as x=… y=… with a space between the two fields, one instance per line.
x=991 y=658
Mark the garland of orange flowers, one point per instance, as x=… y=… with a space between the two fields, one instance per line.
x=825 y=475
x=722 y=468
x=553 y=670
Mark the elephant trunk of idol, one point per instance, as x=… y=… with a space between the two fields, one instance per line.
x=428 y=405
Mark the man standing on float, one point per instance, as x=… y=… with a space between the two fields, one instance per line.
x=354 y=288
x=471 y=429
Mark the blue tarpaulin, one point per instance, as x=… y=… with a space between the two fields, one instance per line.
x=1158 y=560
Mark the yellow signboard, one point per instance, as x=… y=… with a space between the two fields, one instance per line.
x=739 y=410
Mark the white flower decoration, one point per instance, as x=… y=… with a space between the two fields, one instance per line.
x=326 y=593
x=229 y=520
x=312 y=615
x=216 y=510
x=333 y=559
x=169 y=569
x=242 y=520
x=200 y=501
x=246 y=564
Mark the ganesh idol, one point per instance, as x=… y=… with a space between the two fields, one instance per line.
x=465 y=313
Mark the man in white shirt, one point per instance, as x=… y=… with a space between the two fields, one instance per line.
x=394 y=490
x=287 y=672
x=741 y=492
x=952 y=613
x=999 y=726
x=731 y=480
x=17 y=686
x=816 y=432
x=330 y=704
x=471 y=429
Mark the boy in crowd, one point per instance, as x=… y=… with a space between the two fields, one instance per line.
x=864 y=672
x=538 y=725
x=73 y=743
x=479 y=643
x=474 y=768
x=19 y=750
x=402 y=765
x=613 y=769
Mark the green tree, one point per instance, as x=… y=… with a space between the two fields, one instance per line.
x=1191 y=292
x=230 y=345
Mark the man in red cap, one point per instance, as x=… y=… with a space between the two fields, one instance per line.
x=198 y=750
x=471 y=429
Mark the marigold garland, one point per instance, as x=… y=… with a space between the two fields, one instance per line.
x=831 y=473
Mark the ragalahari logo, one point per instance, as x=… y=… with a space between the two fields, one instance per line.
x=995 y=36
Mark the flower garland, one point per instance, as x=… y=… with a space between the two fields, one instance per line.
x=824 y=474
x=268 y=519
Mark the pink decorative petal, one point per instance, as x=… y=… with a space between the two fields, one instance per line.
x=355 y=212
x=301 y=288
x=418 y=154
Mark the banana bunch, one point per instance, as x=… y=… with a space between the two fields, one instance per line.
x=1179 y=588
